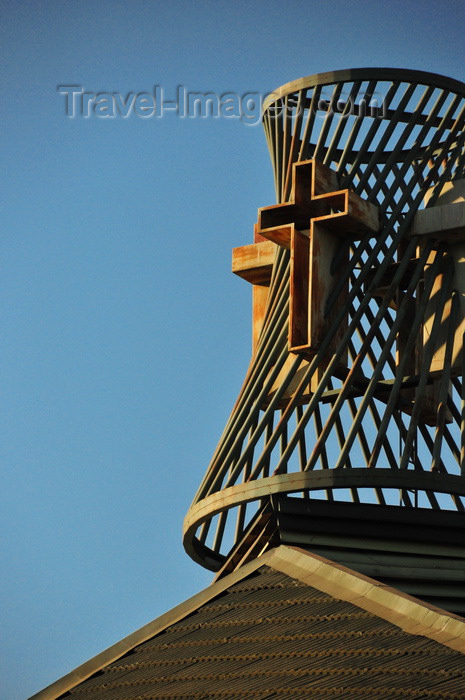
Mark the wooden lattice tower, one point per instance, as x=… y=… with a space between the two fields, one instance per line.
x=348 y=435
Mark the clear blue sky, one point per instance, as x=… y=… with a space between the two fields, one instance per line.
x=125 y=337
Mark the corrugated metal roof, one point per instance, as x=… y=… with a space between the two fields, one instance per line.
x=271 y=636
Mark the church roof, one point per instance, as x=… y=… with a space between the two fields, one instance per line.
x=289 y=624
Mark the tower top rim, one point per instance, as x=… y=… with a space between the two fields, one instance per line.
x=351 y=74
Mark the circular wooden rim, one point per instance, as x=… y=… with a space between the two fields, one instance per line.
x=348 y=75
x=305 y=481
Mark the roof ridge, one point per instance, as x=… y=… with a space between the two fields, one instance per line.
x=410 y=614
x=370 y=596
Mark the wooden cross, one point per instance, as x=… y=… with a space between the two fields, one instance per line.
x=312 y=224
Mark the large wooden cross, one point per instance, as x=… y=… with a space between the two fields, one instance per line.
x=312 y=224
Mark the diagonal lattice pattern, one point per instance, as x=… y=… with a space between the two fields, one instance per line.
x=384 y=419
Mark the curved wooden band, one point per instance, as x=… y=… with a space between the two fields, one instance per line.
x=305 y=481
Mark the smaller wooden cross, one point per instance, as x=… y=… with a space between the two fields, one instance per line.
x=444 y=223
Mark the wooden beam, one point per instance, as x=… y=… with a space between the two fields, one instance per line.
x=444 y=223
x=259 y=304
x=312 y=281
x=254 y=262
